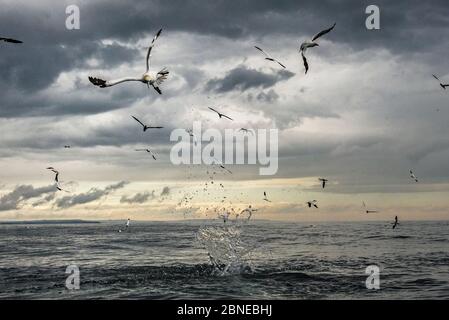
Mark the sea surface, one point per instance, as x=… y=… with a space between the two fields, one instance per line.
x=213 y=260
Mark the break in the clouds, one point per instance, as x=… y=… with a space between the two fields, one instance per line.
x=366 y=113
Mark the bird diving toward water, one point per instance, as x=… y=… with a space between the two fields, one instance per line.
x=145 y=127
x=413 y=176
x=396 y=222
x=310 y=44
x=10 y=40
x=149 y=78
x=220 y=115
x=265 y=198
x=441 y=84
x=269 y=58
x=149 y=151
x=312 y=203
x=323 y=182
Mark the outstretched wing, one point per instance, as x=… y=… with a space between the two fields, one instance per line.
x=151 y=47
x=225 y=116
x=435 y=77
x=214 y=110
x=138 y=121
x=322 y=33
x=10 y=40
x=262 y=51
x=304 y=59
x=281 y=65
x=161 y=76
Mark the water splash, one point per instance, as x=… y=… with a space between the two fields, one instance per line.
x=227 y=251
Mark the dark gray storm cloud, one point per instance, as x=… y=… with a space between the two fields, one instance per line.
x=138 y=198
x=88 y=197
x=22 y=193
x=50 y=49
x=242 y=78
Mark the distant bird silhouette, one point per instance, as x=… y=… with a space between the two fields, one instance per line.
x=268 y=57
x=149 y=151
x=441 y=85
x=246 y=130
x=413 y=176
x=310 y=44
x=10 y=40
x=220 y=115
x=145 y=127
x=312 y=203
x=265 y=198
x=323 y=182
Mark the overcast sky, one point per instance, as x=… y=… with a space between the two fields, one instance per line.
x=367 y=112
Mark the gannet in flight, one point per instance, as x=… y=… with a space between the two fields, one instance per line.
x=67 y=147
x=265 y=198
x=323 y=182
x=268 y=57
x=190 y=132
x=220 y=115
x=145 y=127
x=312 y=203
x=10 y=40
x=413 y=176
x=441 y=85
x=222 y=166
x=247 y=130
x=56 y=172
x=310 y=44
x=149 y=78
x=149 y=151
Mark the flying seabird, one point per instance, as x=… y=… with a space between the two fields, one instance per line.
x=222 y=166
x=10 y=40
x=413 y=176
x=149 y=151
x=149 y=78
x=441 y=85
x=246 y=130
x=323 y=181
x=220 y=115
x=145 y=127
x=268 y=57
x=265 y=198
x=56 y=172
x=312 y=203
x=67 y=147
x=309 y=44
